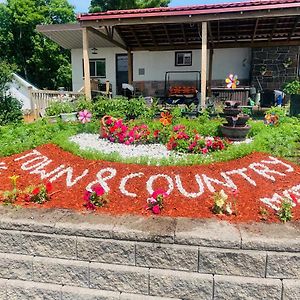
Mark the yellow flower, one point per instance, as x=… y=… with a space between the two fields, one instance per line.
x=14 y=179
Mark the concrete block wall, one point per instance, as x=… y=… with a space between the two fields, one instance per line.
x=62 y=255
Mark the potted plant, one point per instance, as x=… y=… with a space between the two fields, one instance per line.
x=293 y=89
x=68 y=112
x=53 y=111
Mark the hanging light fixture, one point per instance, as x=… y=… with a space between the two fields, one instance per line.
x=94 y=50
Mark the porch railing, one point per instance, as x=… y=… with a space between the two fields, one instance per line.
x=238 y=94
x=41 y=99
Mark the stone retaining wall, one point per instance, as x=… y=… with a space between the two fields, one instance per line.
x=62 y=255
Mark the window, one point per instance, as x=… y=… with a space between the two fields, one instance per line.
x=97 y=68
x=183 y=58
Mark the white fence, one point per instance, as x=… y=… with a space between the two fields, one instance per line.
x=41 y=99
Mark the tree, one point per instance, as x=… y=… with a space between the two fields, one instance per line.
x=10 y=108
x=105 y=5
x=37 y=58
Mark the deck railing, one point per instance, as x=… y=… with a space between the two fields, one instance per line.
x=41 y=99
x=239 y=94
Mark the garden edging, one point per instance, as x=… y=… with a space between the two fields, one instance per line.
x=159 y=257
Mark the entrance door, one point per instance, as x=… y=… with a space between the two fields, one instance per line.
x=121 y=71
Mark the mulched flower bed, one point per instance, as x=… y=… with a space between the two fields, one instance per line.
x=261 y=183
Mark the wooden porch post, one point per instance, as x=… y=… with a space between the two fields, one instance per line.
x=211 y=59
x=203 y=64
x=86 y=64
x=130 y=67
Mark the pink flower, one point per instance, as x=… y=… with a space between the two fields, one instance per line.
x=178 y=127
x=209 y=143
x=86 y=196
x=151 y=200
x=235 y=192
x=108 y=121
x=204 y=150
x=158 y=192
x=99 y=190
x=85 y=116
x=156 y=209
x=90 y=206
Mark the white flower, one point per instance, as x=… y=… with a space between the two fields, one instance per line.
x=223 y=195
x=228 y=209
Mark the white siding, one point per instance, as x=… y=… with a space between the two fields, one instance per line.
x=225 y=61
x=110 y=57
x=156 y=63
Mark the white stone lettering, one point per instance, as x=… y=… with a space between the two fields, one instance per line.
x=69 y=179
x=102 y=180
x=124 y=182
x=153 y=178
x=40 y=160
x=183 y=191
x=34 y=152
x=275 y=161
x=228 y=182
x=3 y=166
x=264 y=171
x=40 y=170
x=241 y=172
x=271 y=202
x=294 y=190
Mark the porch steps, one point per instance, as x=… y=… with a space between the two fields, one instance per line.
x=62 y=255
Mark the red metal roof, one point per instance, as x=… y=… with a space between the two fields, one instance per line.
x=190 y=10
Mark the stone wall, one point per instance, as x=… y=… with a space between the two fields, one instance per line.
x=55 y=254
x=273 y=67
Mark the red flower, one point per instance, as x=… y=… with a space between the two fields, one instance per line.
x=156 y=133
x=156 y=209
x=36 y=191
x=294 y=198
x=27 y=198
x=49 y=187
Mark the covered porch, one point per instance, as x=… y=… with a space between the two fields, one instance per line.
x=255 y=24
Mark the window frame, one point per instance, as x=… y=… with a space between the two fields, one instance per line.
x=94 y=60
x=184 y=64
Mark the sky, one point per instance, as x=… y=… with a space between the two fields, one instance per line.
x=83 y=5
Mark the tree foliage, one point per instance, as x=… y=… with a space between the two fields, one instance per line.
x=39 y=60
x=105 y=5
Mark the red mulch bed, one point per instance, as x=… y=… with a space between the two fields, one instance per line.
x=248 y=200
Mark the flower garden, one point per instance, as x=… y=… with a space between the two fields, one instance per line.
x=198 y=174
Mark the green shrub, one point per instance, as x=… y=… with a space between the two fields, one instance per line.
x=82 y=104
x=292 y=87
x=10 y=110
x=119 y=107
x=56 y=108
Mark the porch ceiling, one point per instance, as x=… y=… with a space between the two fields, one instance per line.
x=254 y=32
x=69 y=36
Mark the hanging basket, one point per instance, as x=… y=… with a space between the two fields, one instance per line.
x=104 y=118
x=103 y=127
